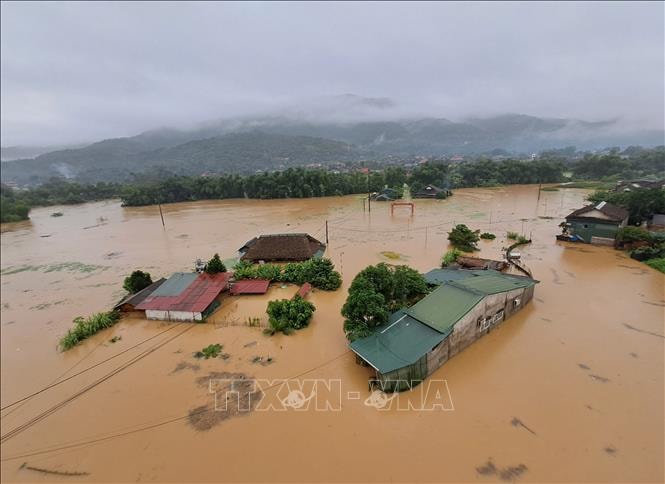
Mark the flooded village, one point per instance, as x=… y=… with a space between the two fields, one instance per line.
x=557 y=374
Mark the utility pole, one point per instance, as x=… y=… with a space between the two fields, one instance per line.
x=326 y=232
x=161 y=215
x=369 y=199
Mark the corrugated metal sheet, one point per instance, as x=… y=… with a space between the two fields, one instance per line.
x=176 y=284
x=494 y=282
x=400 y=342
x=445 y=306
x=251 y=286
x=139 y=297
x=195 y=298
x=304 y=289
x=441 y=276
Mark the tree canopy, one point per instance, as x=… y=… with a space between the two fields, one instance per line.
x=215 y=265
x=136 y=281
x=376 y=292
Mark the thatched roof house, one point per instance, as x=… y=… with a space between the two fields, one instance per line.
x=282 y=247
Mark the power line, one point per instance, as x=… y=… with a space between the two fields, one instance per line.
x=17 y=430
x=154 y=425
x=83 y=371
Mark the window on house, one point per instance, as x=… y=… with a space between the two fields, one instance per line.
x=498 y=316
x=484 y=323
x=517 y=301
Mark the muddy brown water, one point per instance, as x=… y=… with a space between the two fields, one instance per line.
x=580 y=369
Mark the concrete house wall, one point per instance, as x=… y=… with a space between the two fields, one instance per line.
x=172 y=315
x=469 y=329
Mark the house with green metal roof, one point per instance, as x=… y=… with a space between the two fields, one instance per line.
x=416 y=341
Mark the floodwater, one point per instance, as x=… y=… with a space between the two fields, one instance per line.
x=570 y=389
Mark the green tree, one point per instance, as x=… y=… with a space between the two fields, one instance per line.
x=136 y=281
x=375 y=292
x=288 y=314
x=215 y=265
x=463 y=238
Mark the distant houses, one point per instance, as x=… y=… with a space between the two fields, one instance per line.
x=282 y=247
x=418 y=340
x=386 y=195
x=594 y=224
x=432 y=191
x=630 y=186
x=185 y=296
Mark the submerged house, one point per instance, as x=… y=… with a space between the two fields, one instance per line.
x=633 y=185
x=129 y=302
x=386 y=195
x=282 y=247
x=418 y=340
x=595 y=224
x=185 y=296
x=432 y=191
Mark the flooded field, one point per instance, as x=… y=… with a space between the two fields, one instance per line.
x=571 y=389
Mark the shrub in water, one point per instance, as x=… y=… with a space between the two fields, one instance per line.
x=450 y=257
x=288 y=314
x=210 y=351
x=487 y=236
x=86 y=327
x=463 y=238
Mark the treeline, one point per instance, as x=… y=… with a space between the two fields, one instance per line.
x=291 y=183
x=15 y=204
x=163 y=187
x=632 y=163
x=11 y=208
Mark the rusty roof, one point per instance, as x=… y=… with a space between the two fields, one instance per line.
x=250 y=286
x=195 y=298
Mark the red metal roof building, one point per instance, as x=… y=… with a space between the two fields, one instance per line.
x=250 y=286
x=304 y=290
x=190 y=300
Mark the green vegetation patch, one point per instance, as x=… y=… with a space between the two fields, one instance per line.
x=86 y=327
x=658 y=264
x=487 y=236
x=287 y=315
x=59 y=267
x=463 y=238
x=137 y=281
x=391 y=255
x=377 y=291
x=320 y=273
x=210 y=351
x=450 y=257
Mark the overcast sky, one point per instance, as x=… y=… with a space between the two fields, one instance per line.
x=75 y=72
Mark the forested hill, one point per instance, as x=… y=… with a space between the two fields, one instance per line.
x=244 y=146
x=119 y=159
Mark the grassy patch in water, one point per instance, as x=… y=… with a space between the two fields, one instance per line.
x=86 y=327
x=658 y=264
x=210 y=351
x=58 y=267
x=391 y=255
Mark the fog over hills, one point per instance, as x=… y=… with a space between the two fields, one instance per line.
x=238 y=87
x=323 y=131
